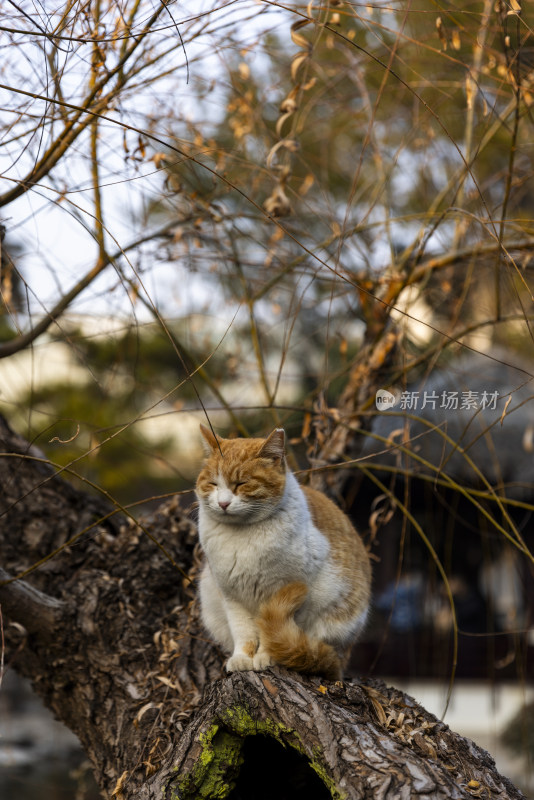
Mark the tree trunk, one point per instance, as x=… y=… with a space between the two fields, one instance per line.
x=107 y=629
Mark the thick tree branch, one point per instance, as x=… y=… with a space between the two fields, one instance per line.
x=37 y=612
x=131 y=671
x=362 y=739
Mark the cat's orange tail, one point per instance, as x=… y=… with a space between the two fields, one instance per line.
x=287 y=644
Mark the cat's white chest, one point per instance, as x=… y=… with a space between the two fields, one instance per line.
x=249 y=562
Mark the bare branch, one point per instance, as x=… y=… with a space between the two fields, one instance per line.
x=24 y=340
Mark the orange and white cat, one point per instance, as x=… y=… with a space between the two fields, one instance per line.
x=287 y=578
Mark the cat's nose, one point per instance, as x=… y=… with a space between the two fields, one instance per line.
x=224 y=504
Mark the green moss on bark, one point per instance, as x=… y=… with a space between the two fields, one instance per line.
x=240 y=721
x=215 y=773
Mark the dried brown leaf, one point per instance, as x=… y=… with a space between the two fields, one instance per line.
x=117 y=791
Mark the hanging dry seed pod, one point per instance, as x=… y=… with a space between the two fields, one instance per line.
x=288 y=106
x=277 y=204
x=288 y=144
x=441 y=32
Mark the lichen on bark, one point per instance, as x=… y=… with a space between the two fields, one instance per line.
x=213 y=776
x=224 y=747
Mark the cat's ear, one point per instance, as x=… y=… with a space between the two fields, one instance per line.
x=275 y=445
x=211 y=442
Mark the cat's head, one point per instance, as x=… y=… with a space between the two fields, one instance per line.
x=242 y=480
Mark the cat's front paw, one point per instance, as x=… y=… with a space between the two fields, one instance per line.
x=262 y=660
x=239 y=662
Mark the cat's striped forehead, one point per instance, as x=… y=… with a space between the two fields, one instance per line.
x=238 y=459
x=234 y=454
x=238 y=449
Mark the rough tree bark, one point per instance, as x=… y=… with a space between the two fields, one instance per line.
x=108 y=632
